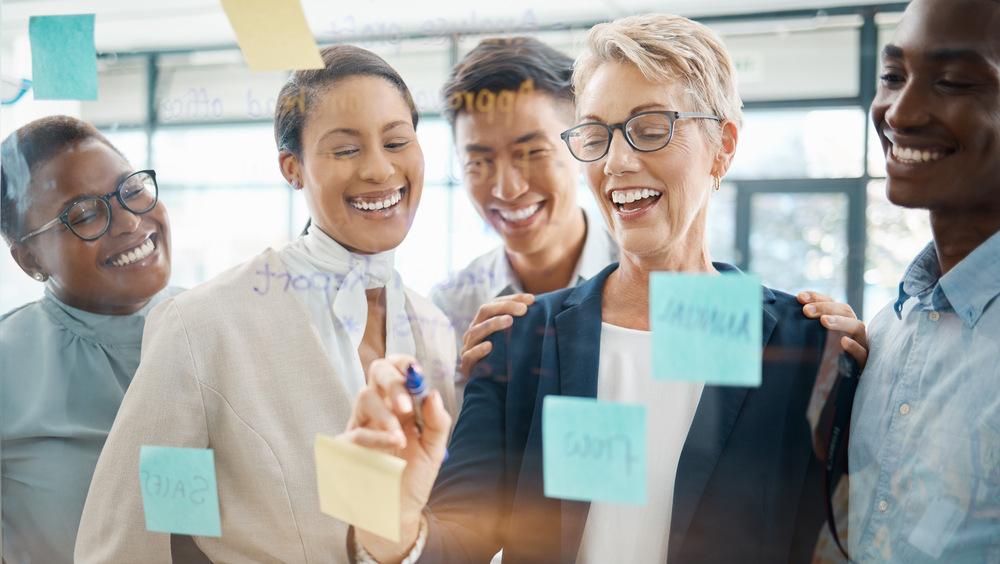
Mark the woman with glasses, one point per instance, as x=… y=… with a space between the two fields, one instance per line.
x=81 y=221
x=256 y=362
x=731 y=475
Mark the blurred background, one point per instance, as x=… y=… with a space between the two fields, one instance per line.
x=176 y=96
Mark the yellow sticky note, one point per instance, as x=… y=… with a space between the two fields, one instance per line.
x=360 y=486
x=273 y=34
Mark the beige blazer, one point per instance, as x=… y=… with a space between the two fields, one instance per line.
x=245 y=374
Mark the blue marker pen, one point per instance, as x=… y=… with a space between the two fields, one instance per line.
x=418 y=391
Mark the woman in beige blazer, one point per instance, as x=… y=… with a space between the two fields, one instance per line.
x=256 y=362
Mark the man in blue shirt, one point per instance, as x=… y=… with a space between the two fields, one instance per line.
x=925 y=443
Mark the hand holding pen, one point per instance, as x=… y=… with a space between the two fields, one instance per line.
x=411 y=423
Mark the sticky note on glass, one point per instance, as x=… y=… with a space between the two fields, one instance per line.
x=63 y=57
x=179 y=492
x=273 y=34
x=594 y=450
x=360 y=486
x=706 y=328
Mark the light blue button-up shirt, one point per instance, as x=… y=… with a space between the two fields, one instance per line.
x=925 y=432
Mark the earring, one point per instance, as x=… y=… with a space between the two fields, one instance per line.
x=717 y=182
x=39 y=276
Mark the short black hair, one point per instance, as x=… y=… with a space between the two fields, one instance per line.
x=23 y=151
x=506 y=64
x=297 y=97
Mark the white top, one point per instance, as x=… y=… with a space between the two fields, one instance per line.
x=491 y=276
x=330 y=282
x=626 y=533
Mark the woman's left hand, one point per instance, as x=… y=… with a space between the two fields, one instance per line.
x=837 y=316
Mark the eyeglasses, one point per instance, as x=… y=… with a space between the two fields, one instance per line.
x=90 y=217
x=645 y=132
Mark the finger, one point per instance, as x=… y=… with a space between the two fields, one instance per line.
x=853 y=348
x=810 y=297
x=371 y=412
x=437 y=425
x=853 y=327
x=814 y=310
x=388 y=377
x=474 y=355
x=478 y=333
x=495 y=309
x=526 y=299
x=371 y=438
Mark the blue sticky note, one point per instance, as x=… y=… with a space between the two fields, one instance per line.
x=178 y=490
x=706 y=328
x=63 y=57
x=594 y=450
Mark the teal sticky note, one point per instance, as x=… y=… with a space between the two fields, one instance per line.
x=178 y=490
x=594 y=450
x=706 y=328
x=63 y=57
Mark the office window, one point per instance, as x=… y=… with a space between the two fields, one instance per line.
x=799 y=242
x=796 y=143
x=895 y=236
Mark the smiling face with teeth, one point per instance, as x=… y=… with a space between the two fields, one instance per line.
x=361 y=166
x=115 y=274
x=520 y=177
x=655 y=203
x=937 y=110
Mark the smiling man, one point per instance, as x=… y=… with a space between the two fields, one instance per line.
x=925 y=440
x=508 y=100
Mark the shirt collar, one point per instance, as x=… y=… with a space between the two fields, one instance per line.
x=115 y=330
x=599 y=250
x=968 y=288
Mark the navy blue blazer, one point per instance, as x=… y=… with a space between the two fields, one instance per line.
x=748 y=487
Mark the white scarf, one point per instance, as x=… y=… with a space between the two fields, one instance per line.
x=342 y=326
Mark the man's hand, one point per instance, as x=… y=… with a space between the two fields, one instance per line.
x=836 y=316
x=492 y=317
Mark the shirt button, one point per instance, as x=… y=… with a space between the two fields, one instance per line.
x=934 y=316
x=904 y=409
x=883 y=506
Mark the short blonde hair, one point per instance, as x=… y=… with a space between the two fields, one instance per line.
x=667 y=48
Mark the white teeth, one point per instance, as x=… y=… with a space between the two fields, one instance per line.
x=910 y=155
x=629 y=196
x=520 y=214
x=135 y=255
x=379 y=205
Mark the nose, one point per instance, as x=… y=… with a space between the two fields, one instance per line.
x=376 y=167
x=123 y=221
x=907 y=107
x=621 y=157
x=509 y=182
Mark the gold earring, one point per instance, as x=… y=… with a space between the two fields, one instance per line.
x=717 y=182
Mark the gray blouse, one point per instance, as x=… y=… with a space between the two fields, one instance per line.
x=63 y=373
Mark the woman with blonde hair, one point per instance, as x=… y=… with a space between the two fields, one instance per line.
x=731 y=470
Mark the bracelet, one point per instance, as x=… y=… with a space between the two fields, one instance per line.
x=363 y=557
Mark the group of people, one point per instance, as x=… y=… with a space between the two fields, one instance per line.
x=651 y=115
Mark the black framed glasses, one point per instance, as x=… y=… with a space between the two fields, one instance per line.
x=90 y=217
x=645 y=132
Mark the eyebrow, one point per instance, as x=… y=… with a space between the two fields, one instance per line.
x=534 y=135
x=632 y=112
x=81 y=197
x=940 y=55
x=356 y=133
x=477 y=148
